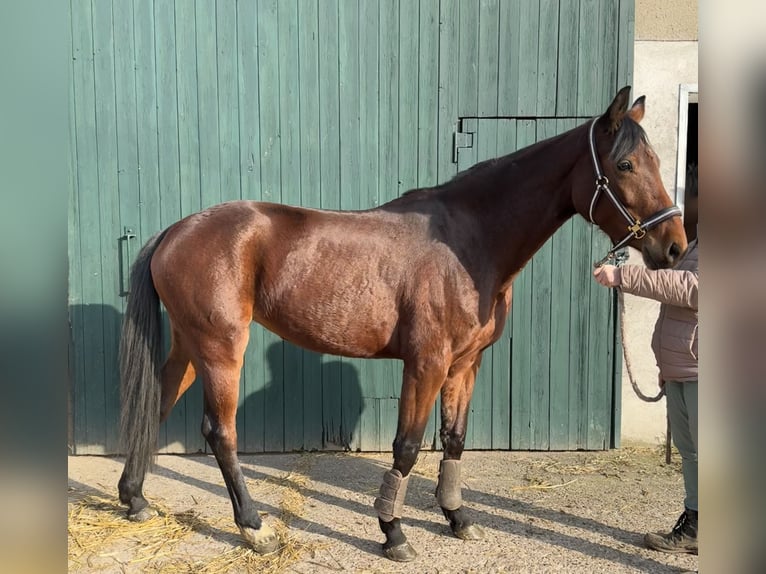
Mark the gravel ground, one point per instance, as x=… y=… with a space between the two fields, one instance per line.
x=542 y=512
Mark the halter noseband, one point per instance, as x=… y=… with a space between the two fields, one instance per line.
x=636 y=228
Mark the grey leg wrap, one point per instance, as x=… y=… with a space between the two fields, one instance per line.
x=390 y=502
x=448 y=493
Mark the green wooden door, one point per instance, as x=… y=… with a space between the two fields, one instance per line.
x=341 y=104
x=548 y=383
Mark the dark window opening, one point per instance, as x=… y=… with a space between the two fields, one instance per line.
x=690 y=189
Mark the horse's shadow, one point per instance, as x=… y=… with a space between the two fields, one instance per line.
x=362 y=475
x=322 y=413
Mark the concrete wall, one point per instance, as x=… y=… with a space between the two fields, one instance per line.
x=665 y=56
x=666 y=20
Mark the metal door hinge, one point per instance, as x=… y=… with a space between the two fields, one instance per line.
x=126 y=259
x=463 y=137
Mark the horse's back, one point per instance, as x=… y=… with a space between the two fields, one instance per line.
x=325 y=280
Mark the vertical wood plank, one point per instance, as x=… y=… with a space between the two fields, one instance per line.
x=168 y=174
x=388 y=137
x=249 y=100
x=567 y=70
x=626 y=41
x=521 y=397
x=189 y=168
x=488 y=62
x=368 y=428
x=271 y=189
x=448 y=91
x=508 y=61
x=561 y=309
x=588 y=88
x=409 y=15
x=83 y=322
x=540 y=360
x=468 y=157
x=578 y=333
x=468 y=59
x=448 y=87
x=228 y=99
x=76 y=355
x=146 y=118
x=608 y=58
x=250 y=415
x=501 y=350
x=105 y=394
x=547 y=58
x=428 y=91
x=427 y=132
x=369 y=103
x=599 y=359
x=350 y=174
x=188 y=112
x=386 y=381
x=308 y=55
x=529 y=38
x=149 y=198
x=480 y=413
x=329 y=126
x=207 y=100
x=290 y=153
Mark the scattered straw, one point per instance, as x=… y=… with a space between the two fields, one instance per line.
x=544 y=486
x=100 y=536
x=97 y=527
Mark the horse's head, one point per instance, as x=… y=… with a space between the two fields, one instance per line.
x=628 y=200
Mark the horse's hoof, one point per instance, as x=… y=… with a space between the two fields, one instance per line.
x=146 y=513
x=401 y=553
x=264 y=540
x=470 y=532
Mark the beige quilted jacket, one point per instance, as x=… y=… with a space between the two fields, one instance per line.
x=675 y=334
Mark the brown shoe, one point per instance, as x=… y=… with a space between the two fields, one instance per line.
x=681 y=540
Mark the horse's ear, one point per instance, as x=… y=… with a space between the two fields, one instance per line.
x=617 y=109
x=636 y=111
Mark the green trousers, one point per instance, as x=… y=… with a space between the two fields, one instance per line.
x=682 y=411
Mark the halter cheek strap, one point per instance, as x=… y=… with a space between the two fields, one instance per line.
x=636 y=228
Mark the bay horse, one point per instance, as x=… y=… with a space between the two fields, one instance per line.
x=425 y=278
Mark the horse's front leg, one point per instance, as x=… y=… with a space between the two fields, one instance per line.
x=456 y=398
x=419 y=390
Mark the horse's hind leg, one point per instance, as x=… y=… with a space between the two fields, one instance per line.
x=419 y=390
x=177 y=375
x=221 y=388
x=456 y=397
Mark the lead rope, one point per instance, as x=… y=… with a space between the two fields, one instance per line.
x=631 y=378
x=639 y=394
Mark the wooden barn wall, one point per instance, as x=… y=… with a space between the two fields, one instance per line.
x=339 y=104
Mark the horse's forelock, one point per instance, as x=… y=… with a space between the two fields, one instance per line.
x=628 y=137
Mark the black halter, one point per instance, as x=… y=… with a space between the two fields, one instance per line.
x=636 y=228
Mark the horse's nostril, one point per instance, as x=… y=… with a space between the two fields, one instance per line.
x=674 y=252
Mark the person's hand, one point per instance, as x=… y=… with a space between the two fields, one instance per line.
x=608 y=276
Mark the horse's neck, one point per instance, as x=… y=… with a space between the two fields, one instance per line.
x=520 y=200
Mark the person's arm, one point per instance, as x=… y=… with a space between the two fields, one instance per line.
x=671 y=286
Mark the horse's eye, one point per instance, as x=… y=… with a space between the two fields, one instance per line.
x=625 y=165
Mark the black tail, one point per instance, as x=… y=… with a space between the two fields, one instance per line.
x=140 y=362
